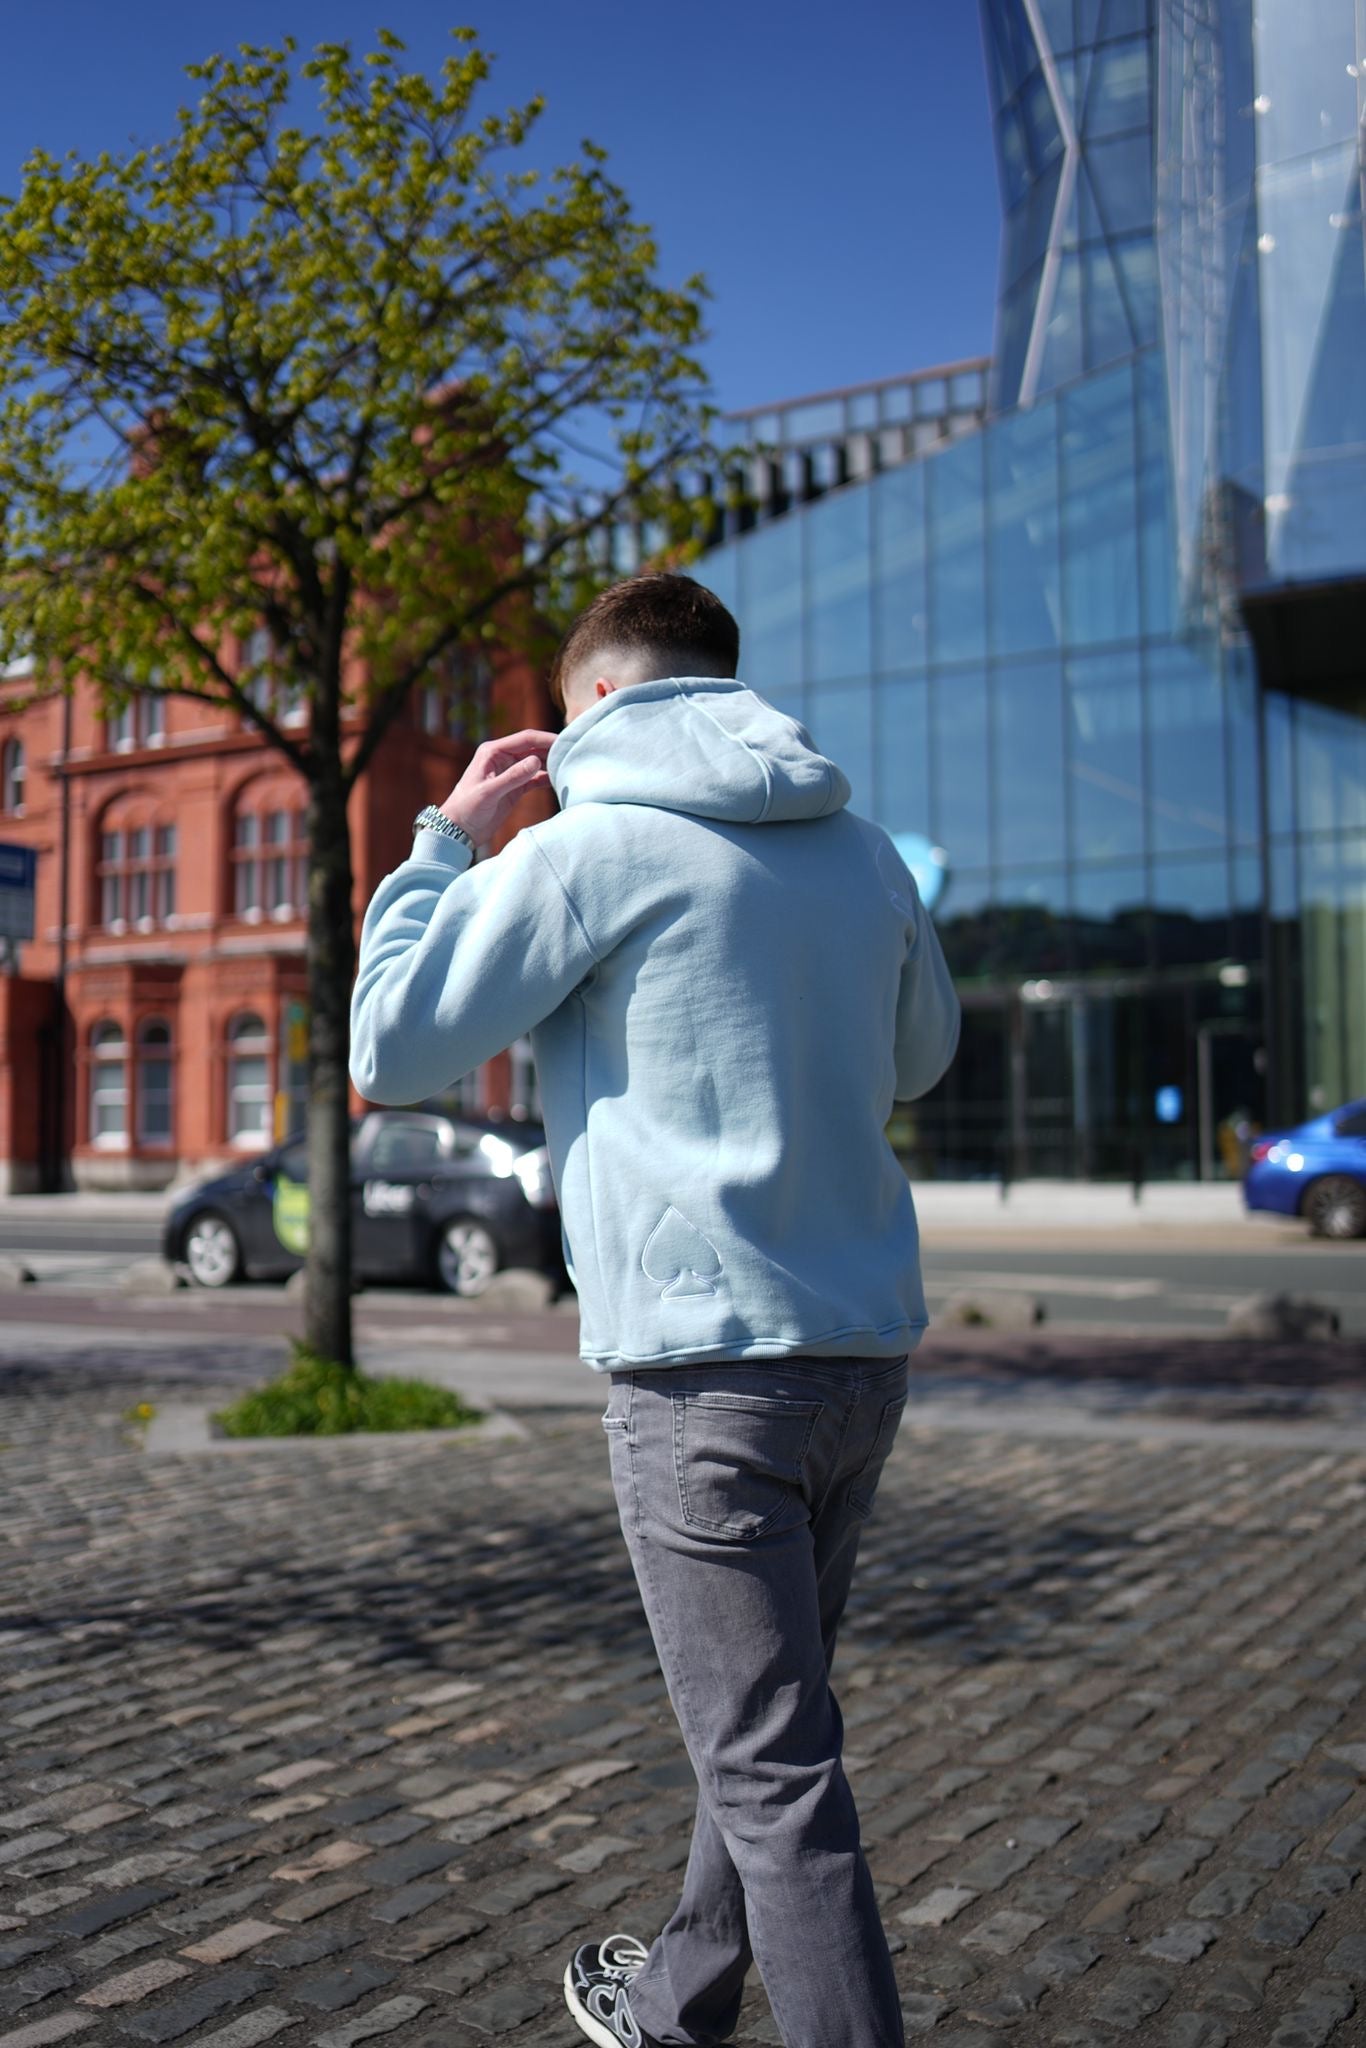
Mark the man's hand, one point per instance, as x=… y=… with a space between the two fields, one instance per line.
x=501 y=771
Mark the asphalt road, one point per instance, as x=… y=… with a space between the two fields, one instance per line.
x=1116 y=1283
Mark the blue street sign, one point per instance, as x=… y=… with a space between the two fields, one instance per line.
x=18 y=869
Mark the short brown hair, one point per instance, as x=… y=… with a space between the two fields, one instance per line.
x=671 y=617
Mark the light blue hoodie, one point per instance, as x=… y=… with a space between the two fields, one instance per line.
x=728 y=978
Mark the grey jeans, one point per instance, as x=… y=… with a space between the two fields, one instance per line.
x=742 y=1492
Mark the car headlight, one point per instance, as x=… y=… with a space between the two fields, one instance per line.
x=533 y=1171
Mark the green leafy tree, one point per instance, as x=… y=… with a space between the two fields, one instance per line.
x=317 y=364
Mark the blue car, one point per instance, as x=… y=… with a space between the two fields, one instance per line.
x=1317 y=1171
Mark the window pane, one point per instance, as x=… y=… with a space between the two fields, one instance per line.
x=902 y=761
x=1117 y=187
x=771 y=605
x=154 y=1100
x=246 y=829
x=1190 y=911
x=277 y=828
x=1027 y=764
x=1026 y=596
x=1105 y=756
x=1185 y=752
x=957 y=552
x=111 y=846
x=139 y=894
x=1100 y=510
x=959 y=788
x=842 y=727
x=108 y=1100
x=165 y=842
x=1157 y=528
x=1110 y=916
x=153 y=710
x=248 y=1025
x=899 y=601
x=1117 y=92
x=276 y=884
x=154 y=1032
x=111 y=899
x=245 y=886
x=840 y=595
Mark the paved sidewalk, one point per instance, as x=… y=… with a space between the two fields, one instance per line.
x=352 y=1742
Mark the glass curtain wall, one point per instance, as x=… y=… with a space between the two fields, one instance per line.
x=1027 y=645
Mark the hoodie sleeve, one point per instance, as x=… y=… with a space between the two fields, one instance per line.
x=458 y=961
x=927 y=1012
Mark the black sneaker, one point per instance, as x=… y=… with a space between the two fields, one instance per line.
x=595 y=1988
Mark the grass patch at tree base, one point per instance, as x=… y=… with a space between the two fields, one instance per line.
x=318 y=1397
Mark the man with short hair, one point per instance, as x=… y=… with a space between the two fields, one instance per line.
x=728 y=979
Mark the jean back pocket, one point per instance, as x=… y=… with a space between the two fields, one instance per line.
x=740 y=1461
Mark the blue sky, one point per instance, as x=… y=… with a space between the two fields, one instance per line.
x=828 y=168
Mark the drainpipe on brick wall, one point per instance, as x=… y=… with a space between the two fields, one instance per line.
x=60 y=1171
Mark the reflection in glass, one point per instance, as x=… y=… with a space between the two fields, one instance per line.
x=1330 y=766
x=839 y=574
x=1022 y=540
x=1118 y=92
x=1105 y=756
x=1333 y=926
x=841 y=723
x=719 y=571
x=771 y=603
x=959 y=794
x=902 y=782
x=1240 y=710
x=957 y=554
x=1110 y=916
x=1027 y=756
x=1100 y=510
x=1186 y=763
x=900 y=624
x=1157 y=527
x=1190 y=911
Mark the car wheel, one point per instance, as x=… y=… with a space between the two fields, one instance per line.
x=467 y=1256
x=211 y=1250
x=1336 y=1207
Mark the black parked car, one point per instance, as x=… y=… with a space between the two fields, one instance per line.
x=435 y=1200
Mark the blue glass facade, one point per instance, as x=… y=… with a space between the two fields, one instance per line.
x=1022 y=643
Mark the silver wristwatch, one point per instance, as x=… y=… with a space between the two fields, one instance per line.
x=430 y=819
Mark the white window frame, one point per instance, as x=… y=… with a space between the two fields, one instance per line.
x=108 y=1083
x=248 y=1044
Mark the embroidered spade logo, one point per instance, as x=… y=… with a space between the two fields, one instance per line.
x=678 y=1256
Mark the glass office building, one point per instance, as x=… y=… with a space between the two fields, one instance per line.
x=1088 y=618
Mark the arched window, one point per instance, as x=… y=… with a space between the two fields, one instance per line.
x=136 y=866
x=108 y=1085
x=154 y=1082
x=269 y=855
x=12 y=777
x=248 y=1081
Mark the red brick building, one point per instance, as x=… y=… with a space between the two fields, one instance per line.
x=182 y=858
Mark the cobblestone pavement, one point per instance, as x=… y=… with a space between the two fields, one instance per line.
x=349 y=1742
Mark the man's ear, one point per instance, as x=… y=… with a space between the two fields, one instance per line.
x=602 y=688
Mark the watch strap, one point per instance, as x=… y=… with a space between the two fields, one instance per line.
x=430 y=819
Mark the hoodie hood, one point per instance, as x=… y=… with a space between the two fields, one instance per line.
x=703 y=745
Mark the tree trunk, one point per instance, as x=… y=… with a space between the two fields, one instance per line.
x=331 y=971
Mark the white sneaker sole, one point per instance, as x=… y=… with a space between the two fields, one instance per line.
x=585 y=2021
